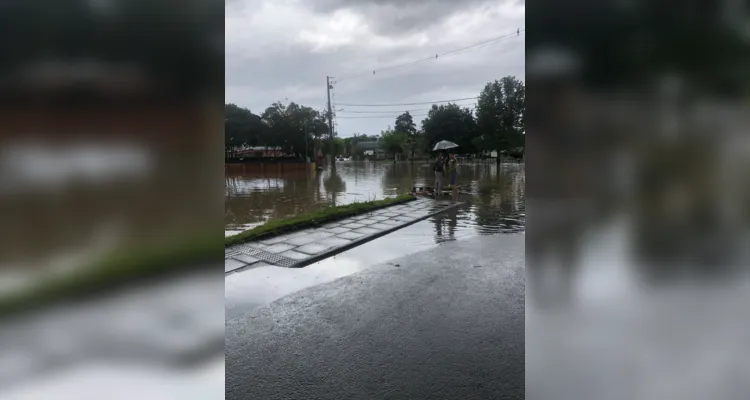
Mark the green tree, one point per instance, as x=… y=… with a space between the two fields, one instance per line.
x=241 y=127
x=500 y=111
x=339 y=146
x=405 y=125
x=394 y=142
x=449 y=122
x=292 y=126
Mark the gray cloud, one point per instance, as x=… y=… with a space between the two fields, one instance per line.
x=270 y=68
x=393 y=17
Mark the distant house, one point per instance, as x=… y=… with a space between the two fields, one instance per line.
x=370 y=149
x=258 y=151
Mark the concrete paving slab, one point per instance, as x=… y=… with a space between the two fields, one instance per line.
x=300 y=240
x=295 y=255
x=366 y=231
x=231 y=264
x=334 y=241
x=274 y=240
x=314 y=248
x=351 y=235
x=320 y=234
x=353 y=226
x=279 y=248
x=246 y=258
x=338 y=230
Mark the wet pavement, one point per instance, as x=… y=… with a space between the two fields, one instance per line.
x=445 y=323
x=300 y=248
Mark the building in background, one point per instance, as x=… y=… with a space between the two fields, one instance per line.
x=371 y=150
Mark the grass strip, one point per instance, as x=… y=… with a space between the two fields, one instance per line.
x=314 y=219
x=119 y=268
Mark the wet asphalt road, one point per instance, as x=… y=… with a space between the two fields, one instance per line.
x=443 y=324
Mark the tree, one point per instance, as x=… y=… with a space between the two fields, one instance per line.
x=241 y=127
x=500 y=111
x=405 y=125
x=339 y=146
x=292 y=126
x=450 y=122
x=393 y=141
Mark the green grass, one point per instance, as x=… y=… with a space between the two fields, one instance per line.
x=119 y=268
x=313 y=219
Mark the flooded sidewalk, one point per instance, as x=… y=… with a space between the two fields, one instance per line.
x=307 y=246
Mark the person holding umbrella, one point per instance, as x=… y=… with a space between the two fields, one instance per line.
x=437 y=167
x=452 y=173
x=441 y=163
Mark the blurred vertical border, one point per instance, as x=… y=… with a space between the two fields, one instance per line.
x=111 y=126
x=637 y=199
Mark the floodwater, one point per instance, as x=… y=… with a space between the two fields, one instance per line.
x=494 y=195
x=494 y=198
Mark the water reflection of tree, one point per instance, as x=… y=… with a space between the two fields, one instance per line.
x=288 y=194
x=401 y=177
x=500 y=203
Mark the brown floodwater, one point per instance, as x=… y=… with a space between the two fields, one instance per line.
x=494 y=195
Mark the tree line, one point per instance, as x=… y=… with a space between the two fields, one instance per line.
x=298 y=130
x=497 y=124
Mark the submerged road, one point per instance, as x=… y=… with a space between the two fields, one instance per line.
x=443 y=324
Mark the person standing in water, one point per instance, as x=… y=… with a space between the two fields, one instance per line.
x=452 y=173
x=437 y=167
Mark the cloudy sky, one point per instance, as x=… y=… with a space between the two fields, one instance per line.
x=282 y=50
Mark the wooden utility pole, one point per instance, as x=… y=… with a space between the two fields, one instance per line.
x=330 y=121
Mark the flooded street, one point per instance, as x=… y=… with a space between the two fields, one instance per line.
x=494 y=195
x=494 y=200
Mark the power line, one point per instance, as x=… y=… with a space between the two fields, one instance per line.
x=483 y=43
x=380 y=116
x=386 y=112
x=406 y=104
x=383 y=112
x=393 y=114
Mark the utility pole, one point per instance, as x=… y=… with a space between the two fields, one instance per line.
x=330 y=120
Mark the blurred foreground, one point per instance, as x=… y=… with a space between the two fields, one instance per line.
x=110 y=177
x=638 y=200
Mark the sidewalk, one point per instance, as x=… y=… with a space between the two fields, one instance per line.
x=304 y=247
